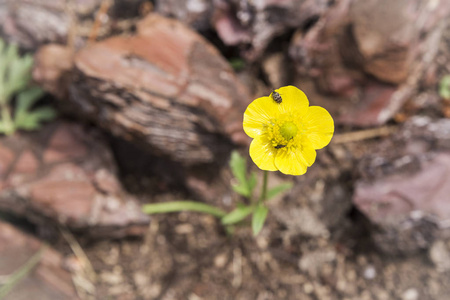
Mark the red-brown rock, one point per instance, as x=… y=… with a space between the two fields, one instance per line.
x=64 y=145
x=166 y=89
x=48 y=280
x=355 y=42
x=405 y=187
x=66 y=174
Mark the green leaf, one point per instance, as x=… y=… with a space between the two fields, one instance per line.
x=251 y=183
x=178 y=206
x=238 y=166
x=444 y=87
x=259 y=217
x=241 y=189
x=237 y=215
x=26 y=99
x=33 y=120
x=244 y=185
x=29 y=120
x=237 y=63
x=278 y=189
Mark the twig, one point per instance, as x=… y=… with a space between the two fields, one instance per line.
x=102 y=11
x=360 y=135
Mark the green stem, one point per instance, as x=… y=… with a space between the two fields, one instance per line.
x=264 y=188
x=177 y=206
x=18 y=275
x=7 y=121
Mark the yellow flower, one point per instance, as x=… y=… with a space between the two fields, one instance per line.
x=286 y=134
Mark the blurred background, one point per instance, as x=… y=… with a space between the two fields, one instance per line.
x=108 y=105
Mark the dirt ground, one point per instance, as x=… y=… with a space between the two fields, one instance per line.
x=188 y=256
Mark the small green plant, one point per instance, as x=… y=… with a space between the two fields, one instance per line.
x=237 y=63
x=444 y=87
x=244 y=186
x=15 y=76
x=286 y=133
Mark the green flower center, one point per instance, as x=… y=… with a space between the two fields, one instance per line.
x=288 y=130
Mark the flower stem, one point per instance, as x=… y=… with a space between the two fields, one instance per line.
x=263 y=196
x=177 y=206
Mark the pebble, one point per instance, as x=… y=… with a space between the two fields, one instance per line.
x=370 y=273
x=410 y=294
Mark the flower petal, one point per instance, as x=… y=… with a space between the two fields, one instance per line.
x=293 y=100
x=319 y=126
x=258 y=114
x=295 y=162
x=263 y=154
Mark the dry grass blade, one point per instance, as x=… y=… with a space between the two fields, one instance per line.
x=360 y=135
x=79 y=253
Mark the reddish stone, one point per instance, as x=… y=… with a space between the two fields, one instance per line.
x=64 y=145
x=395 y=197
x=24 y=169
x=66 y=200
x=106 y=182
x=373 y=108
x=48 y=280
x=51 y=67
x=6 y=159
x=65 y=194
x=83 y=194
x=26 y=164
x=165 y=88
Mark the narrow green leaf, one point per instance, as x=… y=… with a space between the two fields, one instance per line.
x=241 y=189
x=32 y=120
x=259 y=217
x=178 y=206
x=278 y=190
x=251 y=182
x=27 y=98
x=444 y=87
x=238 y=166
x=237 y=215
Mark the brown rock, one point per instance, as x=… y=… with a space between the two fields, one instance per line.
x=25 y=168
x=196 y=14
x=404 y=193
x=372 y=108
x=256 y=24
x=52 y=66
x=106 y=181
x=57 y=196
x=64 y=146
x=399 y=195
x=166 y=89
x=32 y=23
x=27 y=163
x=6 y=159
x=389 y=48
x=48 y=280
x=355 y=41
x=78 y=188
